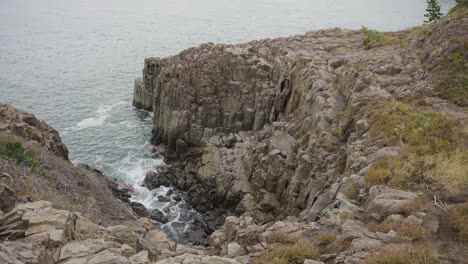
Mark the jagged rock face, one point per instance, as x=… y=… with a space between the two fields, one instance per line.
x=25 y=125
x=79 y=186
x=36 y=233
x=209 y=90
x=303 y=101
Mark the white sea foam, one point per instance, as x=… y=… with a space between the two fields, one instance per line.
x=132 y=170
x=103 y=112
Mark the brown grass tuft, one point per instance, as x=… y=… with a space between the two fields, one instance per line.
x=399 y=254
x=291 y=254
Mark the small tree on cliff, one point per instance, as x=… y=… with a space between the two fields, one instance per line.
x=433 y=11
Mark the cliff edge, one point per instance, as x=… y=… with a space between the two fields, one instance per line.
x=352 y=130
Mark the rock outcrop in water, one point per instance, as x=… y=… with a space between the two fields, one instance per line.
x=289 y=127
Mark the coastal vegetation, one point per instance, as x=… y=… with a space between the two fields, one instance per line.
x=289 y=254
x=432 y=11
x=15 y=151
x=430 y=152
x=452 y=78
x=395 y=254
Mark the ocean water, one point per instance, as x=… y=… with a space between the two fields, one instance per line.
x=72 y=62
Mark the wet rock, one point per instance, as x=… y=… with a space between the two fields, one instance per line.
x=230 y=141
x=159 y=216
x=139 y=209
x=181 y=147
x=164 y=199
x=197 y=233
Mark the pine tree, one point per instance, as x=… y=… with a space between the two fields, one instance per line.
x=433 y=11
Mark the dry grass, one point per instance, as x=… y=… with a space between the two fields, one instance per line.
x=459 y=220
x=411 y=231
x=352 y=192
x=291 y=254
x=326 y=239
x=340 y=244
x=460 y=11
x=74 y=188
x=430 y=149
x=451 y=80
x=281 y=238
x=424 y=30
x=395 y=254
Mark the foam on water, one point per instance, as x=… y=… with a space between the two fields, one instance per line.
x=121 y=153
x=103 y=114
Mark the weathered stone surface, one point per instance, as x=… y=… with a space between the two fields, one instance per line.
x=27 y=126
x=299 y=106
x=159 y=240
x=19 y=253
x=366 y=244
x=7 y=198
x=196 y=259
x=384 y=201
x=108 y=258
x=311 y=261
x=76 y=249
x=140 y=258
x=123 y=234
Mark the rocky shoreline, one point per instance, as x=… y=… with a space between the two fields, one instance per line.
x=281 y=128
x=329 y=147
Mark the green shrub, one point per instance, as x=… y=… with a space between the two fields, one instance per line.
x=372 y=37
x=16 y=152
x=433 y=11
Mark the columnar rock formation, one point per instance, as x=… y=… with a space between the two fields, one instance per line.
x=280 y=127
x=282 y=123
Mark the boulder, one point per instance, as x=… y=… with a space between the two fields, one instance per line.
x=108 y=258
x=159 y=216
x=7 y=198
x=384 y=201
x=139 y=209
x=123 y=234
x=77 y=249
x=140 y=258
x=159 y=240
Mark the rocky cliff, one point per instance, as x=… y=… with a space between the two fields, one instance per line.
x=325 y=127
